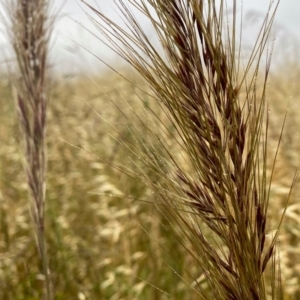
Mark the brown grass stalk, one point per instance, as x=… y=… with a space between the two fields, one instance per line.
x=220 y=195
x=29 y=34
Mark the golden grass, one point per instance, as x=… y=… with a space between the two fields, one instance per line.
x=96 y=245
x=102 y=246
x=156 y=189
x=221 y=119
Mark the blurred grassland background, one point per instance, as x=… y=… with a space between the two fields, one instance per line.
x=102 y=246
x=105 y=239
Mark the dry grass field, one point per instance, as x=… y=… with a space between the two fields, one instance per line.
x=158 y=186
x=102 y=246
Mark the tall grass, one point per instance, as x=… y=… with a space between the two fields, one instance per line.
x=30 y=30
x=198 y=138
x=215 y=185
x=96 y=247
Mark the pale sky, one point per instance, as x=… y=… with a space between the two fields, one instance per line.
x=70 y=37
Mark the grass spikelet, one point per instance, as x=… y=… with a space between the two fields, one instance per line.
x=220 y=196
x=30 y=30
